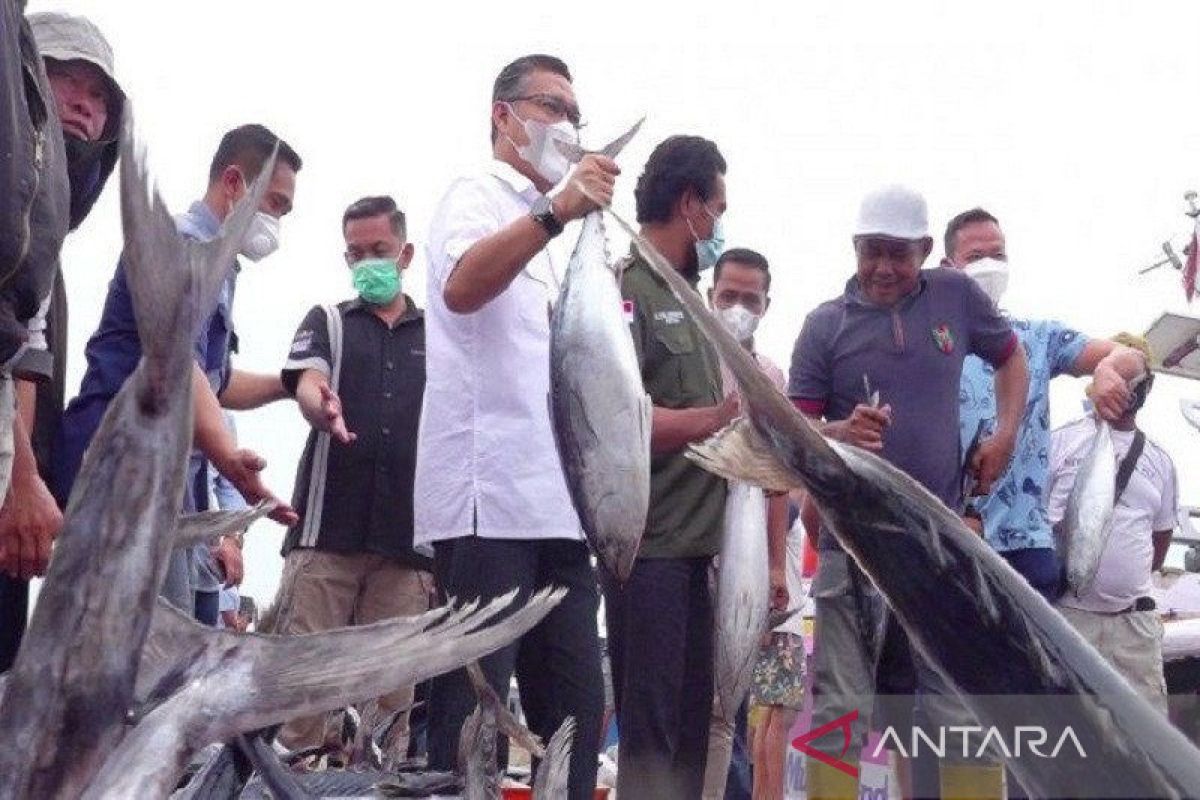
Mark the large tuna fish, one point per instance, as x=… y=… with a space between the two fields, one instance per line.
x=1012 y=657
x=743 y=601
x=601 y=412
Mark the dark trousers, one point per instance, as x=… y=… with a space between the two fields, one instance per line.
x=14 y=607
x=557 y=663
x=208 y=607
x=660 y=630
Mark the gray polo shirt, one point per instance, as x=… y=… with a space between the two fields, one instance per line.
x=912 y=354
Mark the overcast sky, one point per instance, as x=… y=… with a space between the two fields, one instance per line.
x=1076 y=123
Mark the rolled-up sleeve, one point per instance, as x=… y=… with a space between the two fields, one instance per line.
x=33 y=361
x=466 y=214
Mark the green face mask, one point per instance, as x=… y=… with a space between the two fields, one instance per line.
x=377 y=280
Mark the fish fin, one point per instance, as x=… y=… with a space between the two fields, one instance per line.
x=551 y=778
x=736 y=452
x=508 y=724
x=165 y=298
x=173 y=646
x=279 y=780
x=307 y=674
x=153 y=249
x=208 y=525
x=614 y=148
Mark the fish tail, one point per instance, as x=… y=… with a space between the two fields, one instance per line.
x=174 y=283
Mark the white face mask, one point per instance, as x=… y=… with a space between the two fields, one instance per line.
x=262 y=237
x=541 y=152
x=992 y=276
x=740 y=321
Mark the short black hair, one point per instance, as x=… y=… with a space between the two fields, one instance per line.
x=744 y=255
x=374 y=206
x=961 y=221
x=508 y=85
x=676 y=165
x=248 y=147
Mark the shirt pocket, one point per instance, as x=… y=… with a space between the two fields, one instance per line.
x=680 y=377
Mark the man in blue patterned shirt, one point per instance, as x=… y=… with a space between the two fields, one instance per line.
x=1013 y=516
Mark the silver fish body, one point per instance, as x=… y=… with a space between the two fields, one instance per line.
x=1011 y=657
x=743 y=594
x=601 y=413
x=1086 y=523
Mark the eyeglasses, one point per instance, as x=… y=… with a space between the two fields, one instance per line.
x=553 y=105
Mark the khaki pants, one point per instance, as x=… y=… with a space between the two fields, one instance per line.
x=1132 y=642
x=321 y=591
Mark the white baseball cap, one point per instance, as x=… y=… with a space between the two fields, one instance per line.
x=895 y=211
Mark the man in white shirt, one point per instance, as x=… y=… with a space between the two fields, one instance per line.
x=1115 y=612
x=490 y=494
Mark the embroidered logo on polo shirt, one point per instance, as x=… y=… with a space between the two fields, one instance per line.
x=301 y=342
x=943 y=338
x=672 y=317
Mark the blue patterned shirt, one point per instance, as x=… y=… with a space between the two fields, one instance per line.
x=1014 y=514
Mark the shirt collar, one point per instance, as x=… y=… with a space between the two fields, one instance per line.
x=636 y=259
x=412 y=313
x=515 y=180
x=201 y=220
x=853 y=295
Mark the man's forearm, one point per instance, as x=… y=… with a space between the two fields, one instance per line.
x=672 y=429
x=209 y=433
x=1012 y=390
x=777 y=531
x=1162 y=543
x=247 y=390
x=491 y=264
x=308 y=397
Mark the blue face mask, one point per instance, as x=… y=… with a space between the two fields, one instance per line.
x=710 y=249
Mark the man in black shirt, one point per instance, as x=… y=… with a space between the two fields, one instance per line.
x=357 y=371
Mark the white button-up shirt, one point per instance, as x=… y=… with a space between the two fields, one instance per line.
x=486 y=458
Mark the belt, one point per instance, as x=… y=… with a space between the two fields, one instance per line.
x=1141 y=604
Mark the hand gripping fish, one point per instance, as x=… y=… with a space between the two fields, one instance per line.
x=600 y=411
x=1011 y=656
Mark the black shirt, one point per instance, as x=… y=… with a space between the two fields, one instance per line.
x=358 y=497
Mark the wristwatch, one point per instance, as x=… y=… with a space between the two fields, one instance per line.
x=543 y=214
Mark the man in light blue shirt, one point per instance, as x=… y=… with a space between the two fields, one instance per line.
x=1013 y=516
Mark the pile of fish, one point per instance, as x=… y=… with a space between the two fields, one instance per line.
x=996 y=641
x=114 y=691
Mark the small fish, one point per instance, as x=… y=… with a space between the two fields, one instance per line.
x=1086 y=524
x=600 y=411
x=743 y=588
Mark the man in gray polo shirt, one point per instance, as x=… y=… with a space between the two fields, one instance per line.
x=897 y=335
